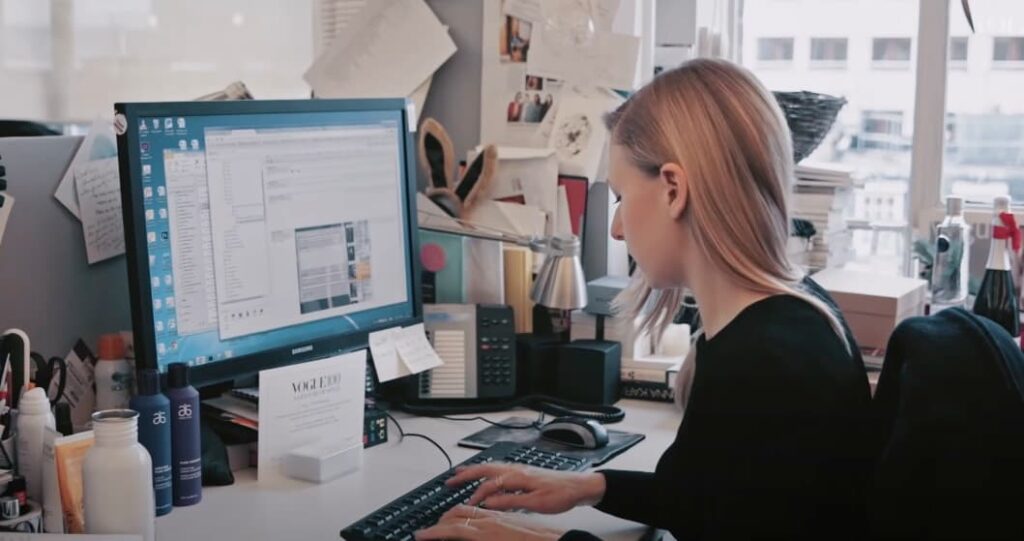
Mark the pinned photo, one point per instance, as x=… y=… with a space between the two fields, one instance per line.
x=529 y=107
x=515 y=39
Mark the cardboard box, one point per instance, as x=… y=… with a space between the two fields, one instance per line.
x=873 y=304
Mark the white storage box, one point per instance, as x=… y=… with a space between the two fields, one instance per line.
x=873 y=304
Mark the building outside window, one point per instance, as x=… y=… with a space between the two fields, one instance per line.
x=828 y=52
x=775 y=50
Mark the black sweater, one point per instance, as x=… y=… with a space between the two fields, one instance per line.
x=774 y=442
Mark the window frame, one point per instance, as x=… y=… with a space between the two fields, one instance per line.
x=959 y=63
x=828 y=63
x=777 y=61
x=894 y=64
x=998 y=64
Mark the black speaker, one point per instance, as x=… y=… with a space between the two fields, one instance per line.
x=536 y=364
x=588 y=371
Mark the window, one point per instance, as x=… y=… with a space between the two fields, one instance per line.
x=1008 y=50
x=883 y=130
x=146 y=50
x=984 y=139
x=958 y=52
x=872 y=134
x=775 y=49
x=890 y=50
x=828 y=52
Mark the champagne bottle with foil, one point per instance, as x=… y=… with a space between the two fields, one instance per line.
x=951 y=267
x=997 y=298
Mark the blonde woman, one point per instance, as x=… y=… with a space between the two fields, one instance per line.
x=773 y=441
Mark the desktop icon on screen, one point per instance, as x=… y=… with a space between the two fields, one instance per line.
x=181 y=123
x=168 y=123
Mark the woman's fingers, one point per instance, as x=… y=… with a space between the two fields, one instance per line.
x=508 y=501
x=472 y=473
x=466 y=511
x=503 y=482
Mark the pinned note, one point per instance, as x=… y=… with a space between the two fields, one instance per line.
x=400 y=352
x=99 y=144
x=415 y=350
x=385 y=356
x=99 y=199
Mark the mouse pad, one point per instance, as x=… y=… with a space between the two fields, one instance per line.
x=618 y=441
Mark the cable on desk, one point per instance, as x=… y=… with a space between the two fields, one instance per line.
x=534 y=425
x=402 y=435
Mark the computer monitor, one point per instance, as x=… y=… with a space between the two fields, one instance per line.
x=265 y=233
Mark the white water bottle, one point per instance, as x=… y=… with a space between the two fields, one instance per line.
x=117 y=477
x=33 y=417
x=113 y=374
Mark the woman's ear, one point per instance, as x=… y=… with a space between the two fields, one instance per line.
x=677 y=188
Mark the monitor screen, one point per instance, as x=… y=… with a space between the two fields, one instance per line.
x=264 y=228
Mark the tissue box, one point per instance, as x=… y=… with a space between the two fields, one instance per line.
x=873 y=304
x=321 y=462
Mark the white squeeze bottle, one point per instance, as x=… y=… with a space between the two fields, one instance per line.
x=113 y=374
x=33 y=417
x=117 y=478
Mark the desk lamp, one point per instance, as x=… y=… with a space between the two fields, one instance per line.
x=560 y=283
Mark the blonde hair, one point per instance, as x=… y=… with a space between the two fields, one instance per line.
x=726 y=131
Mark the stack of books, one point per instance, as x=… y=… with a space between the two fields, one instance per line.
x=822 y=195
x=650 y=377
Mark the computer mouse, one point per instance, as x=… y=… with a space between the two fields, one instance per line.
x=576 y=432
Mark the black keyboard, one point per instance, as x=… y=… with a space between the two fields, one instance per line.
x=424 y=505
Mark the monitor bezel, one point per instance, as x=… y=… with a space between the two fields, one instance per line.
x=130 y=163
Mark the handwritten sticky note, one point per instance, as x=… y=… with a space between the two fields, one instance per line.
x=385 y=356
x=415 y=350
x=99 y=198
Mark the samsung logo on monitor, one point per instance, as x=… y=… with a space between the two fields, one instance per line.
x=303 y=349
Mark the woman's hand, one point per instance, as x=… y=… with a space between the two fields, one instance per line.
x=511 y=486
x=465 y=523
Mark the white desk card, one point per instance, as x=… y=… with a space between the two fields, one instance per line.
x=315 y=402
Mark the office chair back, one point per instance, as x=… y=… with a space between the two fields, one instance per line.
x=950 y=407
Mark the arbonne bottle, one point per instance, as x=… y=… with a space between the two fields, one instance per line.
x=186 y=451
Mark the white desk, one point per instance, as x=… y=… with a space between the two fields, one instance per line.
x=298 y=510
